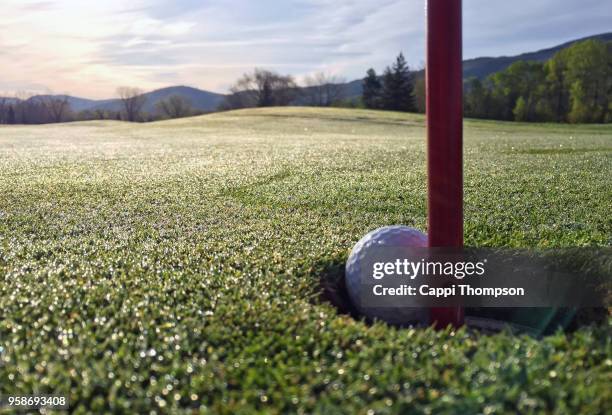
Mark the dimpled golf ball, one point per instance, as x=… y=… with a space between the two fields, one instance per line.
x=391 y=236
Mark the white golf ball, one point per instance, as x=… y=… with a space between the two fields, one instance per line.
x=391 y=236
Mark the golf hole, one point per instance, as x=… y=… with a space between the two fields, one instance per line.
x=334 y=292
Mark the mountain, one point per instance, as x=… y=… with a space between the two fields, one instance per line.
x=353 y=89
x=76 y=103
x=483 y=67
x=201 y=100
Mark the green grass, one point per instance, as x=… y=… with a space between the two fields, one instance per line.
x=177 y=265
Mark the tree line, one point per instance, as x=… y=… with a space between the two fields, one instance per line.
x=266 y=88
x=39 y=110
x=394 y=90
x=44 y=109
x=260 y=88
x=574 y=86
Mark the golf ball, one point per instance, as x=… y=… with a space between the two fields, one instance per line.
x=391 y=236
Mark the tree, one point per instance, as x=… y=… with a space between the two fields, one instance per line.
x=520 y=110
x=575 y=85
x=521 y=79
x=10 y=118
x=420 y=94
x=132 y=101
x=372 y=90
x=323 y=90
x=262 y=88
x=85 y=115
x=175 y=106
x=608 y=116
x=476 y=99
x=57 y=107
x=557 y=101
x=31 y=111
x=3 y=110
x=24 y=108
x=398 y=87
x=588 y=76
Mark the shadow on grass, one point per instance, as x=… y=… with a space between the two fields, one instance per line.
x=589 y=316
x=333 y=289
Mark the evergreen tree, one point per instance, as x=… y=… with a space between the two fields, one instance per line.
x=372 y=89
x=398 y=87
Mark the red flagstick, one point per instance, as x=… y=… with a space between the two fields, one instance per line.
x=444 y=78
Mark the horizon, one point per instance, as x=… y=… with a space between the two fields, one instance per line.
x=155 y=44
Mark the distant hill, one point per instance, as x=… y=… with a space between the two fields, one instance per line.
x=483 y=67
x=200 y=100
x=76 y=103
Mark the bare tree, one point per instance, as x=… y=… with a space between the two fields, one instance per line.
x=175 y=106
x=262 y=88
x=57 y=107
x=35 y=111
x=28 y=109
x=133 y=101
x=3 y=110
x=10 y=115
x=24 y=109
x=322 y=89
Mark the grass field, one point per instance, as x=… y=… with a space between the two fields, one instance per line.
x=177 y=265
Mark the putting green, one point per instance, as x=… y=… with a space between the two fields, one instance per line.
x=177 y=265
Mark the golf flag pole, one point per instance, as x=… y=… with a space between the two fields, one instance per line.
x=444 y=79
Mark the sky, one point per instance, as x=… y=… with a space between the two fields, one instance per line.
x=88 y=49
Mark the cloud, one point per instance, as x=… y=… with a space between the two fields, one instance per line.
x=89 y=48
x=508 y=28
